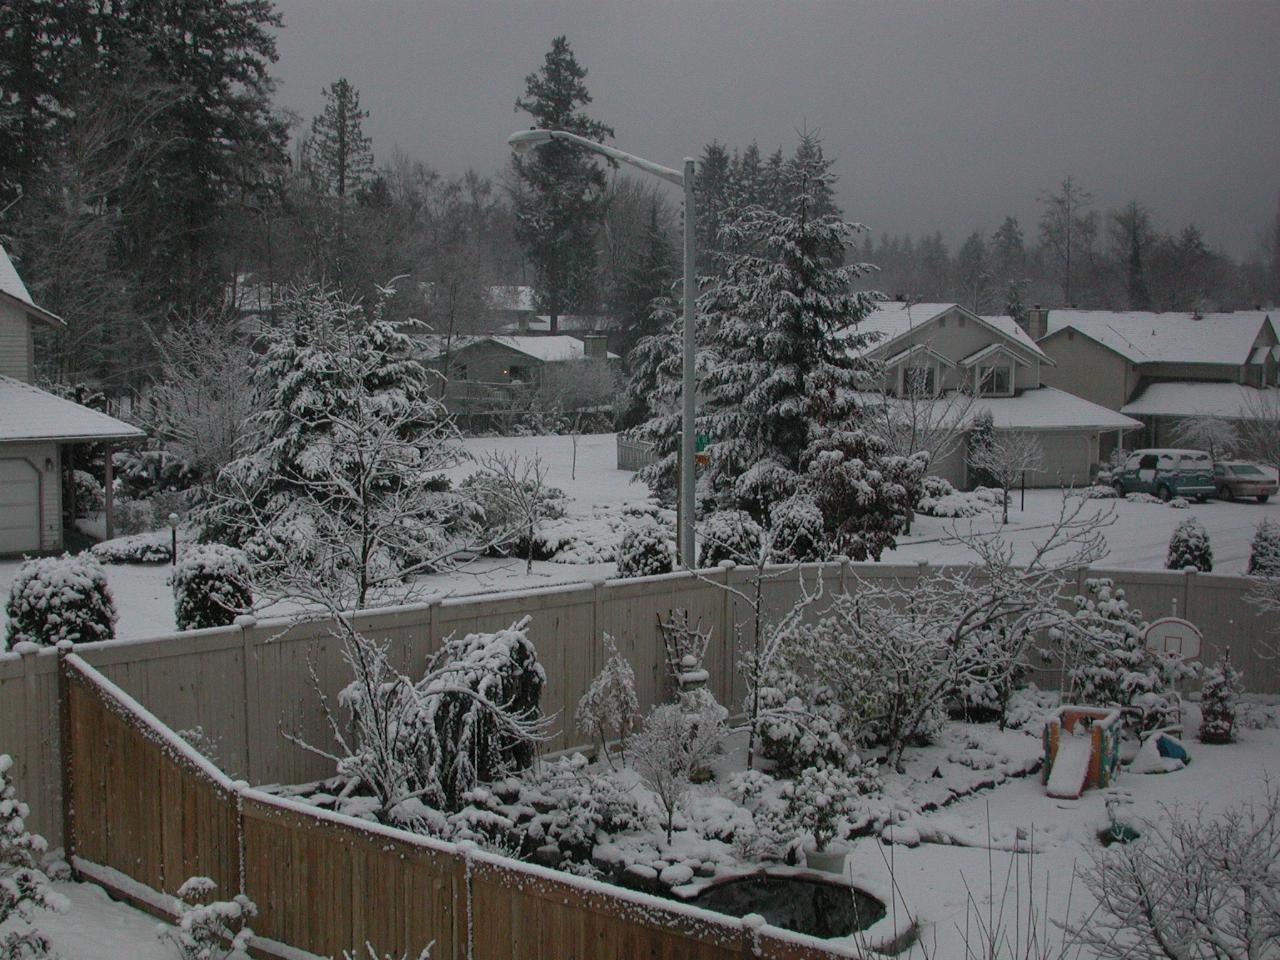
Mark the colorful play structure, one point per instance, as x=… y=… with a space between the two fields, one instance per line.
x=1081 y=750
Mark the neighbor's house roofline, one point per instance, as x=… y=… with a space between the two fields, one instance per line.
x=31 y=310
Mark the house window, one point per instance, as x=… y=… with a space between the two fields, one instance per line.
x=919 y=381
x=516 y=372
x=995 y=381
x=462 y=371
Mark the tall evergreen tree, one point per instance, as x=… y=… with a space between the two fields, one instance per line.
x=715 y=193
x=1131 y=239
x=1007 y=250
x=650 y=277
x=974 y=272
x=560 y=200
x=337 y=153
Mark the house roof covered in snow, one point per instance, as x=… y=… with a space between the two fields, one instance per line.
x=1146 y=337
x=1183 y=399
x=895 y=319
x=549 y=349
x=13 y=290
x=28 y=413
x=576 y=322
x=1040 y=409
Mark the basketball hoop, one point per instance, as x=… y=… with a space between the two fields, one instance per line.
x=1175 y=638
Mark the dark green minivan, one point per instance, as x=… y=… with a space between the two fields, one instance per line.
x=1166 y=473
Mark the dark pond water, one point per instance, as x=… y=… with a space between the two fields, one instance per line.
x=795 y=903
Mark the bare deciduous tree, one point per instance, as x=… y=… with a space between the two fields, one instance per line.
x=1258 y=427
x=1217 y=435
x=1006 y=457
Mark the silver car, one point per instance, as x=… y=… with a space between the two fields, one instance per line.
x=1238 y=478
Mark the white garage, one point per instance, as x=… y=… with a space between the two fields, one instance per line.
x=19 y=506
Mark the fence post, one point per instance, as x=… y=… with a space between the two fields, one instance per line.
x=64 y=756
x=248 y=664
x=728 y=648
x=844 y=575
x=751 y=925
x=1186 y=594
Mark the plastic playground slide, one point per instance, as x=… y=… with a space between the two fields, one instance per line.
x=1070 y=768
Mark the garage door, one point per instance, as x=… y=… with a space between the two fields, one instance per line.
x=19 y=507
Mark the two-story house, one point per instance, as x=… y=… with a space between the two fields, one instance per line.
x=1164 y=367
x=933 y=350
x=36 y=428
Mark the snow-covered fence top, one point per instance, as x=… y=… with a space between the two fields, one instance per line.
x=147 y=811
x=242 y=685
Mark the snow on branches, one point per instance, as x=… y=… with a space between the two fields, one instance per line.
x=24 y=888
x=609 y=707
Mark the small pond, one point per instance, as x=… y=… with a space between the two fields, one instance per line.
x=805 y=905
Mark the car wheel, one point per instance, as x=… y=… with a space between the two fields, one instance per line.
x=1164 y=493
x=1119 y=488
x=1202 y=498
x=1224 y=493
x=1264 y=497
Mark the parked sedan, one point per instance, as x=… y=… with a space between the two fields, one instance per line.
x=1236 y=478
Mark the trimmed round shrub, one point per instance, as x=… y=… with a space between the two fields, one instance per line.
x=1189 y=547
x=796 y=531
x=60 y=598
x=1264 y=551
x=729 y=535
x=645 y=550
x=936 y=487
x=140 y=548
x=210 y=586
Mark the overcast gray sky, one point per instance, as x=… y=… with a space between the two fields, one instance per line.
x=945 y=114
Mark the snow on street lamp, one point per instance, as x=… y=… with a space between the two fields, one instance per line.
x=173 y=539
x=523 y=141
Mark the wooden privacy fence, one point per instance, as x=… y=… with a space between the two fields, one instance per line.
x=246 y=684
x=145 y=811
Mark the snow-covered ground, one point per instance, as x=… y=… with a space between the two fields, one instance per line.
x=599 y=494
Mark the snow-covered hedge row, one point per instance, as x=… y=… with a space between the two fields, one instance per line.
x=140 y=548
x=211 y=586
x=943 y=500
x=60 y=598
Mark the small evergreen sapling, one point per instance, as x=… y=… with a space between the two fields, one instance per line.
x=208 y=929
x=60 y=598
x=24 y=888
x=644 y=550
x=1189 y=547
x=821 y=797
x=211 y=586
x=610 y=706
x=1218 y=697
x=1264 y=551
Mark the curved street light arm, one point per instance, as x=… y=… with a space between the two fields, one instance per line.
x=523 y=140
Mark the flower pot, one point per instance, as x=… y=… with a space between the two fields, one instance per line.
x=830 y=860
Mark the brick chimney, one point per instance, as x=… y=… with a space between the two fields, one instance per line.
x=596 y=346
x=1037 y=322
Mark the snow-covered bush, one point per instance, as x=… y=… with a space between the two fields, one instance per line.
x=936 y=487
x=151 y=547
x=211 y=586
x=795 y=531
x=1192 y=887
x=509 y=499
x=1219 y=694
x=414 y=747
x=1264 y=551
x=729 y=535
x=953 y=505
x=609 y=707
x=673 y=744
x=142 y=473
x=1179 y=503
x=761 y=486
x=1108 y=662
x=644 y=550
x=1189 y=547
x=134 y=516
x=1137 y=497
x=60 y=598
x=24 y=888
x=89 y=493
x=820 y=798
x=208 y=929
x=986 y=675
x=1098 y=491
x=804 y=722
x=862 y=489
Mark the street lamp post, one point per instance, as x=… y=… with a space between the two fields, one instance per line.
x=525 y=140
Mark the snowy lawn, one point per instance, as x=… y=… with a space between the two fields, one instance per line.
x=600 y=502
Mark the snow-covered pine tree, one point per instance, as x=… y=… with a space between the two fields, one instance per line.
x=1264 y=551
x=337 y=154
x=1189 y=547
x=780 y=322
x=338 y=489
x=1218 y=697
x=24 y=888
x=1110 y=665
x=610 y=707
x=982 y=433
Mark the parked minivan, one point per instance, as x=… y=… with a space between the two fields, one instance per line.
x=1166 y=473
